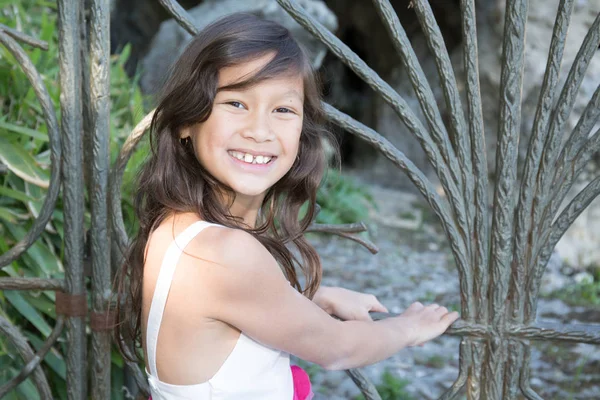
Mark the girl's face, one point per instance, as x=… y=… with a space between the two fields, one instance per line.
x=251 y=139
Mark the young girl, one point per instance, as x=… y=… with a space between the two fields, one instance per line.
x=213 y=295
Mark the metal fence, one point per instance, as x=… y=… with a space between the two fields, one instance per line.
x=500 y=258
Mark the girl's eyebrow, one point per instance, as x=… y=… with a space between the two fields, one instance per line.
x=291 y=92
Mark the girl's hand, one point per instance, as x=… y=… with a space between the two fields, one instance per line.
x=424 y=323
x=347 y=304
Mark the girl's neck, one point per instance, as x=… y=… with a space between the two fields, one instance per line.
x=247 y=208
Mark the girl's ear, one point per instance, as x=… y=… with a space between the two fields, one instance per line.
x=185 y=132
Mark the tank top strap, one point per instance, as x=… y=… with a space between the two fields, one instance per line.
x=163 y=285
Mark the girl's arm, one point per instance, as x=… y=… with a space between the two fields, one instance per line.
x=242 y=285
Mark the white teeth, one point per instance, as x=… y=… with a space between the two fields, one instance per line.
x=249 y=158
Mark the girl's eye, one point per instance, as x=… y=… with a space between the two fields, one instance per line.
x=284 y=110
x=236 y=104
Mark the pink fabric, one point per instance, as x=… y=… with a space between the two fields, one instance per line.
x=302 y=386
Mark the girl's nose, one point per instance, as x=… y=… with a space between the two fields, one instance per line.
x=258 y=128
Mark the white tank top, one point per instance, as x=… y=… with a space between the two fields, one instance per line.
x=252 y=371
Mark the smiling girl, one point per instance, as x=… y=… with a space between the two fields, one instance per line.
x=212 y=293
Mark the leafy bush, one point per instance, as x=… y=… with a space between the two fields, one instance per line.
x=24 y=148
x=342 y=200
x=586 y=292
x=391 y=388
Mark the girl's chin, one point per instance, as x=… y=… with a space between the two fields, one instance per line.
x=249 y=192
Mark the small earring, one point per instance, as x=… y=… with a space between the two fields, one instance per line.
x=185 y=142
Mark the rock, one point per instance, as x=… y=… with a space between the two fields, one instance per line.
x=171 y=38
x=583 y=277
x=554 y=277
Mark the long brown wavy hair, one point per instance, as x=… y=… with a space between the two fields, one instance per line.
x=173 y=181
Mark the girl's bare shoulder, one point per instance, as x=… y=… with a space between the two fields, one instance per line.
x=219 y=244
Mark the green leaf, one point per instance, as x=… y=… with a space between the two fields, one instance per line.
x=22 y=164
x=23 y=130
x=41 y=303
x=38 y=256
x=8 y=215
x=53 y=358
x=36 y=198
x=15 y=194
x=28 y=312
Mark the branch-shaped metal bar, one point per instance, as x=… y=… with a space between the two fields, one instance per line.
x=35 y=361
x=504 y=197
x=451 y=180
x=436 y=44
x=31 y=284
x=566 y=218
x=580 y=135
x=421 y=183
x=575 y=333
x=97 y=102
x=180 y=15
x=414 y=71
x=116 y=179
x=571 y=159
x=579 y=333
x=24 y=350
x=591 y=147
x=523 y=241
x=513 y=370
x=474 y=379
x=465 y=355
x=24 y=38
x=525 y=383
x=561 y=114
x=364 y=384
x=480 y=231
x=138 y=375
x=439 y=151
x=347 y=231
x=458 y=328
x=70 y=76
x=55 y=150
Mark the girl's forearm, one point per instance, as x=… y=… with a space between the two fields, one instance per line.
x=364 y=343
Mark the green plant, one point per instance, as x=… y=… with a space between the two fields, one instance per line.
x=342 y=199
x=24 y=149
x=586 y=293
x=391 y=388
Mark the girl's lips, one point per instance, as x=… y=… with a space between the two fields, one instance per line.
x=253 y=167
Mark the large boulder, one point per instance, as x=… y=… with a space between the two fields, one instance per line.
x=171 y=39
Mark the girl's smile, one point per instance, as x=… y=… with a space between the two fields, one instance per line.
x=247 y=162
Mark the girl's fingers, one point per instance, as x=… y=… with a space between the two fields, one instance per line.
x=442 y=310
x=451 y=317
x=378 y=307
